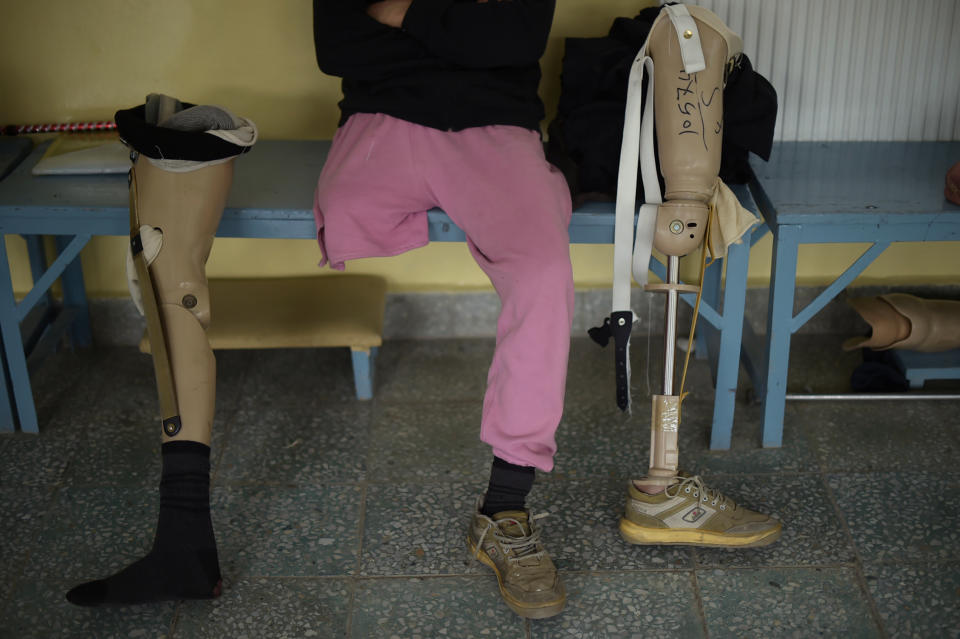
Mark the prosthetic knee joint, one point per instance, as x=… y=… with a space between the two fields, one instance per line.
x=182 y=170
x=685 y=60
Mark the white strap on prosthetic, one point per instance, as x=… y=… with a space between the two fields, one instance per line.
x=637 y=152
x=630 y=247
x=691 y=50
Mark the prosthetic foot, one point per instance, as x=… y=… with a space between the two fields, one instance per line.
x=182 y=170
x=686 y=58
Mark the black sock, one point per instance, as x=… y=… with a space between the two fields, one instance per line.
x=509 y=486
x=183 y=563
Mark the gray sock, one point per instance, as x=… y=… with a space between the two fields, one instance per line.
x=168 y=112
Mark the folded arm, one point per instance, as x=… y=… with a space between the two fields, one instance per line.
x=482 y=34
x=350 y=43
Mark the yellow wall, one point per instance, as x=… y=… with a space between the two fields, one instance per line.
x=62 y=60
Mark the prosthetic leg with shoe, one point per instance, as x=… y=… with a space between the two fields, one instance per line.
x=182 y=170
x=686 y=58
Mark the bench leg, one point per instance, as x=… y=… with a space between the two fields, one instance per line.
x=783 y=279
x=75 y=296
x=14 y=356
x=38 y=261
x=363 y=369
x=728 y=361
x=6 y=408
x=711 y=296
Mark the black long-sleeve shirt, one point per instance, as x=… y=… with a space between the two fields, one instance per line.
x=454 y=64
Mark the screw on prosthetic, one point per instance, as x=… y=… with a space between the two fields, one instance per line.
x=682 y=66
x=182 y=169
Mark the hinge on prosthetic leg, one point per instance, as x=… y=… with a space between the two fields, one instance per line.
x=172 y=426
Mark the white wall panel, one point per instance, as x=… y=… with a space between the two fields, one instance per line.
x=855 y=69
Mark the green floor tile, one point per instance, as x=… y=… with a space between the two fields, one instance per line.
x=38 y=609
x=785 y=602
x=433 y=370
x=294 y=445
x=877 y=436
x=625 y=606
x=432 y=607
x=274 y=608
x=416 y=529
x=917 y=600
x=428 y=442
x=285 y=531
x=901 y=516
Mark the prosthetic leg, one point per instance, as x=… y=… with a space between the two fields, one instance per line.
x=686 y=59
x=901 y=321
x=182 y=170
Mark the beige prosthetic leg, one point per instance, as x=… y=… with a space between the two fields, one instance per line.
x=688 y=112
x=182 y=170
x=175 y=208
x=186 y=209
x=687 y=53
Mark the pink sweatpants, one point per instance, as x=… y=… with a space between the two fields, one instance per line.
x=372 y=198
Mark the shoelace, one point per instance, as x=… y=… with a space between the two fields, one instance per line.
x=515 y=548
x=695 y=485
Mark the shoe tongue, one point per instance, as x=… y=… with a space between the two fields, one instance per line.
x=518 y=527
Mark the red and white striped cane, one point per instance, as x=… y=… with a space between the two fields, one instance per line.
x=62 y=127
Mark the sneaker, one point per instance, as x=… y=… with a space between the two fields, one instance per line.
x=690 y=514
x=510 y=544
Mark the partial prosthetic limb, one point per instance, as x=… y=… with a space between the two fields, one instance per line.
x=901 y=321
x=182 y=170
x=690 y=52
x=686 y=59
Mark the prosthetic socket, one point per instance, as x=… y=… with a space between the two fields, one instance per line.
x=182 y=170
x=901 y=321
x=686 y=59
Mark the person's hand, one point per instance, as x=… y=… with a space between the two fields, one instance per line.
x=389 y=12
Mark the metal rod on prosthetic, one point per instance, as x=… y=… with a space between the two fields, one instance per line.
x=665 y=418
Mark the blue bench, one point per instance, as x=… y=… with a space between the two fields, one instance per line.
x=271 y=198
x=837 y=192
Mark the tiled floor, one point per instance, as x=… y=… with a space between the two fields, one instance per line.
x=344 y=518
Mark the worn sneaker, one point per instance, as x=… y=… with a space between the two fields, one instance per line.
x=691 y=514
x=510 y=544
